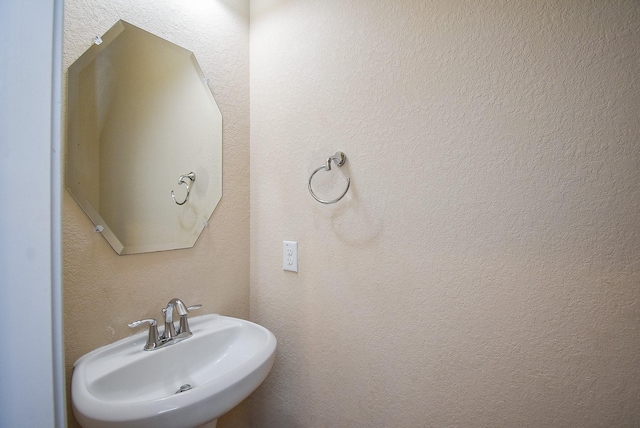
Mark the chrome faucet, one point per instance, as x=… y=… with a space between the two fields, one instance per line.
x=170 y=335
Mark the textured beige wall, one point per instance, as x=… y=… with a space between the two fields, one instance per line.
x=104 y=291
x=484 y=269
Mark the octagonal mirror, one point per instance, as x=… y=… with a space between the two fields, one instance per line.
x=144 y=141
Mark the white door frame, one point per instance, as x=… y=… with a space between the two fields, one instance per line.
x=31 y=352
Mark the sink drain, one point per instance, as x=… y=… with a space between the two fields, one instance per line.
x=184 y=388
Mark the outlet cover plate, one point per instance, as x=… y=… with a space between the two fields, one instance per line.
x=290 y=256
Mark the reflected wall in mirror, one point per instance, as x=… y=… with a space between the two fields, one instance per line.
x=141 y=115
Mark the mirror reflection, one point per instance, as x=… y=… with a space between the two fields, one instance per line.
x=141 y=120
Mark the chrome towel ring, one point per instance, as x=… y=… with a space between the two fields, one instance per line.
x=339 y=159
x=181 y=180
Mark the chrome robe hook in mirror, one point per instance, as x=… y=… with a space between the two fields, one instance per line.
x=339 y=159
x=181 y=180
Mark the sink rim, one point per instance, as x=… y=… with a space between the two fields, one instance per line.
x=221 y=393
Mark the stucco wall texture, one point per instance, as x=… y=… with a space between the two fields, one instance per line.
x=484 y=268
x=103 y=291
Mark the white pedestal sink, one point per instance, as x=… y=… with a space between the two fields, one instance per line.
x=121 y=385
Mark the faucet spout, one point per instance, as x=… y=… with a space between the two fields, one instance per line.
x=183 y=330
x=180 y=307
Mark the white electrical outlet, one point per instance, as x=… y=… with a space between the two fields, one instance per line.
x=290 y=256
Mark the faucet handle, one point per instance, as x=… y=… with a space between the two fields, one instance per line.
x=185 y=331
x=152 y=338
x=138 y=323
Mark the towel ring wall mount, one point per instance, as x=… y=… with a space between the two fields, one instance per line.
x=181 y=180
x=339 y=158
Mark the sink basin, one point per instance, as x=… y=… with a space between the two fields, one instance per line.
x=121 y=385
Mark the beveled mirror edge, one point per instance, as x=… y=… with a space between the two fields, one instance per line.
x=94 y=49
x=93 y=215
